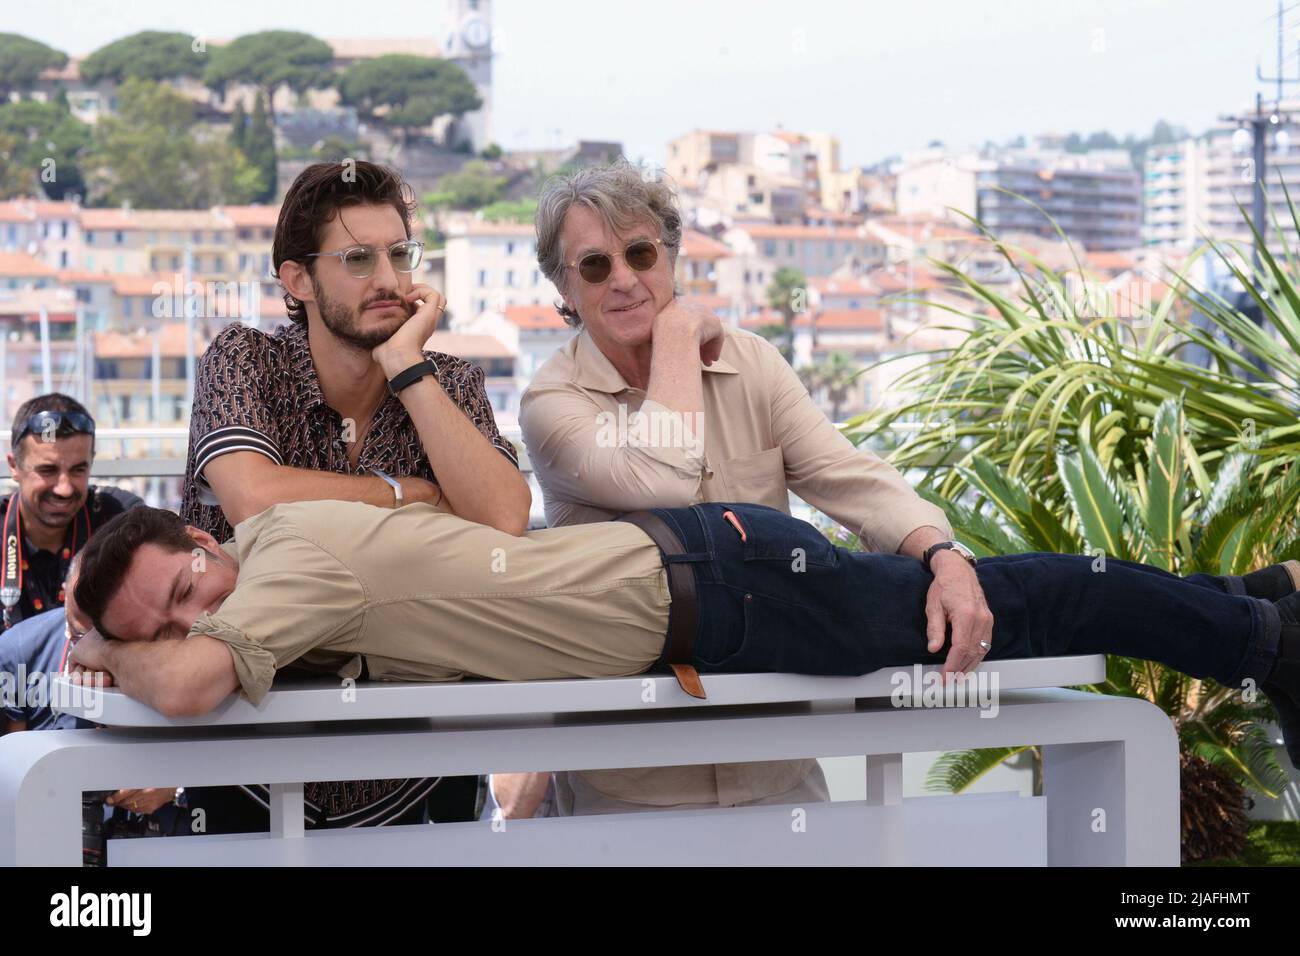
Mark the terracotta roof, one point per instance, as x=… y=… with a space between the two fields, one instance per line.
x=355 y=48
x=760 y=231
x=767 y=316
x=82 y=277
x=60 y=306
x=468 y=345
x=69 y=71
x=535 y=317
x=29 y=210
x=171 y=342
x=842 y=285
x=1109 y=261
x=134 y=284
x=155 y=219
x=265 y=216
x=21 y=265
x=697 y=245
x=850 y=319
x=891 y=282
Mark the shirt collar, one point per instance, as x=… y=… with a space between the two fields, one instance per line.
x=302 y=370
x=593 y=370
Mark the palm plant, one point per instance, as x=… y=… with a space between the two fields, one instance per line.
x=1054 y=425
x=836 y=373
x=1159 y=520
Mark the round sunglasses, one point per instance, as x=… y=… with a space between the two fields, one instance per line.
x=360 y=260
x=596 y=267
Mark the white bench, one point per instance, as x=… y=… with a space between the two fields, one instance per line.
x=1110 y=771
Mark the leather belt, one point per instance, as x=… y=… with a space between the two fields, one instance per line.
x=683 y=612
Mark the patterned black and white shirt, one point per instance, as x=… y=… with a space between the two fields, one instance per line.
x=259 y=392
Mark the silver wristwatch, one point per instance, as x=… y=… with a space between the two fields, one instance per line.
x=397 y=488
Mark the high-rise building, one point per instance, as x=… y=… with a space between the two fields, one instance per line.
x=1175 y=193
x=1094 y=197
x=1199 y=187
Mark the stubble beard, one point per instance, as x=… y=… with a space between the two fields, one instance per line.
x=345 y=324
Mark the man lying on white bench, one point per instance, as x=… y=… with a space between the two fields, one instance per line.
x=417 y=594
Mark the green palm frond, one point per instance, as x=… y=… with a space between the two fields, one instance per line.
x=957 y=770
x=1041 y=428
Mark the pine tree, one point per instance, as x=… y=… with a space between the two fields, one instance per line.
x=238 y=123
x=259 y=147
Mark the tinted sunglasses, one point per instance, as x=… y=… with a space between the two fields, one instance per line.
x=640 y=255
x=360 y=260
x=57 y=424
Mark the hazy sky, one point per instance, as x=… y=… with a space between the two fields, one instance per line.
x=885 y=77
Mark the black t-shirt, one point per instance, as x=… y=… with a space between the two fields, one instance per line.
x=44 y=571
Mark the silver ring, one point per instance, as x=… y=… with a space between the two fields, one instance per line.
x=986 y=645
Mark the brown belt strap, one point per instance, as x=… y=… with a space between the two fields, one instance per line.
x=683 y=613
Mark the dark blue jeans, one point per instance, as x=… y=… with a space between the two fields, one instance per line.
x=788 y=600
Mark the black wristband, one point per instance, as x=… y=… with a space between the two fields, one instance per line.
x=411 y=375
x=931 y=551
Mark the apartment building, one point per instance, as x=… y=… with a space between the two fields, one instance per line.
x=530 y=334
x=51 y=231
x=1094 y=197
x=125 y=240
x=491 y=267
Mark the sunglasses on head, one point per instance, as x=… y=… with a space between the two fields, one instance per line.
x=360 y=260
x=596 y=267
x=57 y=425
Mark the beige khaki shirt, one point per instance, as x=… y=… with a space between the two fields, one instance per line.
x=425 y=596
x=762 y=437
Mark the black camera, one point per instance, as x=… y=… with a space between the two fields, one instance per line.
x=96 y=831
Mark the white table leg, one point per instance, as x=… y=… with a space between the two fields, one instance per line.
x=287 y=810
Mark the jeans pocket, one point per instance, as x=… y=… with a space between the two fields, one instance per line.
x=723 y=628
x=775 y=635
x=771 y=535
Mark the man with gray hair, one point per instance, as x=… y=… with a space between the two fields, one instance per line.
x=713 y=413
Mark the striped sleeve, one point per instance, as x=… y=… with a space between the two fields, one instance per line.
x=233 y=388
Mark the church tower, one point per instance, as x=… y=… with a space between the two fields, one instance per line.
x=468 y=39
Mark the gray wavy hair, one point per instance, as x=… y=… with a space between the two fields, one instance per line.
x=621 y=196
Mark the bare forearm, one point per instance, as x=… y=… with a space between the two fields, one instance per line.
x=174 y=677
x=249 y=487
x=478 y=482
x=914 y=544
x=520 y=794
x=303 y=484
x=675 y=378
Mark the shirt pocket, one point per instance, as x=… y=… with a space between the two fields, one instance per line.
x=756 y=479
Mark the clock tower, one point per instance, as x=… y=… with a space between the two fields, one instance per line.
x=468 y=39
